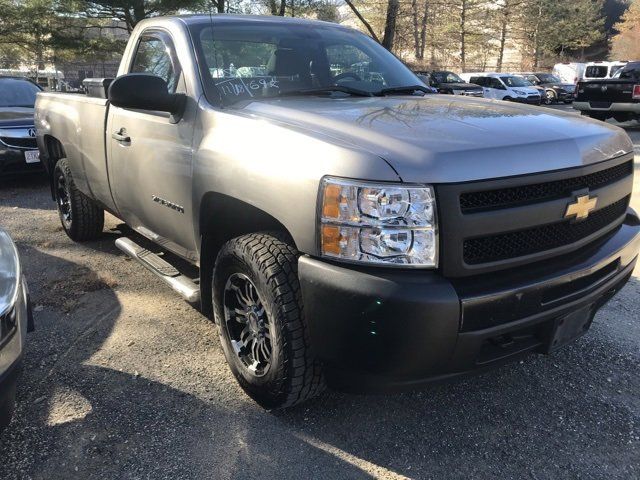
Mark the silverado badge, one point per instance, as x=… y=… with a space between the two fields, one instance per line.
x=581 y=208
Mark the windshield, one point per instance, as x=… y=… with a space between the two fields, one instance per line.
x=240 y=61
x=516 y=82
x=447 y=77
x=15 y=92
x=548 y=78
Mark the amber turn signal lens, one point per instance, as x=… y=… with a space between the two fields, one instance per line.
x=331 y=203
x=331 y=239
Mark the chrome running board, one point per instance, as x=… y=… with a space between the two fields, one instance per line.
x=181 y=284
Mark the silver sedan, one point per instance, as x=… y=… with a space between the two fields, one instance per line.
x=15 y=320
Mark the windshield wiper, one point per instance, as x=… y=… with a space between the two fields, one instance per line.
x=408 y=89
x=321 y=90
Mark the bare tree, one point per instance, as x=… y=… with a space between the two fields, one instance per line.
x=393 y=6
x=364 y=21
x=419 y=17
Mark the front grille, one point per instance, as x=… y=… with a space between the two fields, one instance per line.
x=528 y=194
x=538 y=239
x=27 y=142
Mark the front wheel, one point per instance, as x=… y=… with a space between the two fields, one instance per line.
x=81 y=218
x=258 y=309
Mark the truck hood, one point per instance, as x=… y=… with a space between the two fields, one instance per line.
x=16 y=116
x=442 y=138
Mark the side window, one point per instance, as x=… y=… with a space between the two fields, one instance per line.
x=495 y=83
x=155 y=56
x=478 y=81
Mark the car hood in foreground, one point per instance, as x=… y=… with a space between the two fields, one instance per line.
x=16 y=116
x=451 y=139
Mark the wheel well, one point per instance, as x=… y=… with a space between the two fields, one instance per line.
x=222 y=218
x=54 y=151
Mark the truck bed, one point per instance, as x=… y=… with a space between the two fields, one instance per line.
x=606 y=91
x=78 y=122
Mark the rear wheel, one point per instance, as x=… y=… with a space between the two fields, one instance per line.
x=81 y=218
x=258 y=309
x=549 y=97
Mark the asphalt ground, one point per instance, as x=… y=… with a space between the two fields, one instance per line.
x=122 y=379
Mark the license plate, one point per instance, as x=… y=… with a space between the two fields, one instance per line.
x=571 y=326
x=32 y=156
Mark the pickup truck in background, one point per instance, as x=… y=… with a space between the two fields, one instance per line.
x=348 y=229
x=617 y=98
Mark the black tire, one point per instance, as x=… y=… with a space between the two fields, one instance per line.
x=291 y=374
x=508 y=99
x=81 y=218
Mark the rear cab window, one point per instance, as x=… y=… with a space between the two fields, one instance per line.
x=596 y=71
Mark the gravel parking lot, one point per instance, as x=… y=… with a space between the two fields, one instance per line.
x=123 y=379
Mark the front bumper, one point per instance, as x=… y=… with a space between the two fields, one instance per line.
x=602 y=107
x=531 y=100
x=12 y=161
x=11 y=351
x=384 y=329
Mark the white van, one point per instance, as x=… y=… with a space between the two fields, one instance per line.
x=569 y=72
x=504 y=86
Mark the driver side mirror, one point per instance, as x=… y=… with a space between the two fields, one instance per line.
x=141 y=91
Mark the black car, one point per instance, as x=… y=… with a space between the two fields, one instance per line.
x=450 y=83
x=18 y=149
x=555 y=90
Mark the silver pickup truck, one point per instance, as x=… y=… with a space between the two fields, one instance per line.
x=349 y=228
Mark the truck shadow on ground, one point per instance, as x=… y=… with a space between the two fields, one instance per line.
x=78 y=418
x=14 y=191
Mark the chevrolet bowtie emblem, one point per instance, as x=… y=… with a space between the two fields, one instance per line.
x=581 y=208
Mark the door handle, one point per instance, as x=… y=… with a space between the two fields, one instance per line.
x=121 y=136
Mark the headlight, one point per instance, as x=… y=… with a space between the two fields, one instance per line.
x=9 y=274
x=378 y=223
x=520 y=92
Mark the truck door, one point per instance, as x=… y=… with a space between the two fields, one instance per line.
x=150 y=155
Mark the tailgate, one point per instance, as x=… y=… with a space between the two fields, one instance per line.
x=605 y=91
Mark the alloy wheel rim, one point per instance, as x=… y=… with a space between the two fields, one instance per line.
x=63 y=200
x=247 y=324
